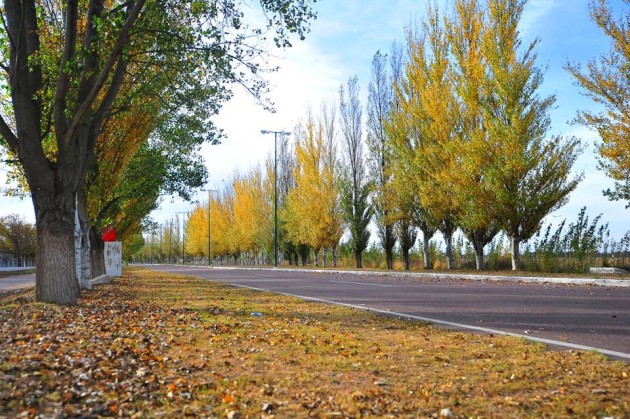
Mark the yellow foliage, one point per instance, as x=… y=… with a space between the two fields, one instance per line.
x=197 y=232
x=312 y=214
x=605 y=80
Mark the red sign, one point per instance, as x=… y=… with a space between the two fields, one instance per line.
x=108 y=234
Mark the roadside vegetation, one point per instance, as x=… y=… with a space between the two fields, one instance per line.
x=457 y=164
x=152 y=344
x=104 y=110
x=568 y=247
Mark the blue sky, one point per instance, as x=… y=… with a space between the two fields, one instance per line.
x=342 y=43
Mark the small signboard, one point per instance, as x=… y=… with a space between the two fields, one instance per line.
x=108 y=234
x=113 y=259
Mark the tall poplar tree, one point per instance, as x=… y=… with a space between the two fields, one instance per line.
x=429 y=109
x=606 y=80
x=531 y=172
x=311 y=214
x=473 y=148
x=355 y=189
x=331 y=173
x=380 y=100
x=286 y=182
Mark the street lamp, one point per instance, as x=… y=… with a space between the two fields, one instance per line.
x=183 y=237
x=210 y=191
x=275 y=190
x=170 y=241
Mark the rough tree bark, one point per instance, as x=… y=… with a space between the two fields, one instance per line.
x=55 y=278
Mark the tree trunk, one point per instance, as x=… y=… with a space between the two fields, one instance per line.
x=516 y=253
x=450 y=257
x=83 y=242
x=426 y=251
x=478 y=246
x=335 y=256
x=55 y=279
x=97 y=253
x=316 y=257
x=86 y=265
x=359 y=257
x=405 y=257
x=389 y=246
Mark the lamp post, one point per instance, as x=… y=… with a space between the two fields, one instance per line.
x=275 y=190
x=170 y=241
x=210 y=191
x=183 y=237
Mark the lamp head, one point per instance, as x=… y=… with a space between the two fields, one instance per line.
x=264 y=131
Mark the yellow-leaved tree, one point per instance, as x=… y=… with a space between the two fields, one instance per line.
x=606 y=80
x=197 y=231
x=250 y=214
x=220 y=221
x=531 y=171
x=473 y=148
x=426 y=120
x=311 y=214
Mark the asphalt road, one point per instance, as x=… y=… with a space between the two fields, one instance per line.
x=566 y=316
x=17 y=281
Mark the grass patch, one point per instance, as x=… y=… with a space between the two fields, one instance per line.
x=154 y=344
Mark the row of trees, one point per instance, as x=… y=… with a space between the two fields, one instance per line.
x=457 y=138
x=469 y=133
x=17 y=237
x=104 y=106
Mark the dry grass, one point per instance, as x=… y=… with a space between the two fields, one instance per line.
x=156 y=344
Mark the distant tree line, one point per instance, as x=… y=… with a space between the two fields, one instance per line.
x=457 y=142
x=17 y=238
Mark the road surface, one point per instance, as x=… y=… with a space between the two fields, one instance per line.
x=567 y=316
x=17 y=281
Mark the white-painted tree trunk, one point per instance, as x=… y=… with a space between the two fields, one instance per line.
x=479 y=260
x=450 y=257
x=82 y=247
x=426 y=251
x=516 y=253
x=77 y=248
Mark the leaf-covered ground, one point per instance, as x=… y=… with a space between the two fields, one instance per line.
x=158 y=345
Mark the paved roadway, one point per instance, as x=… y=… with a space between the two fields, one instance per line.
x=17 y=281
x=565 y=316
